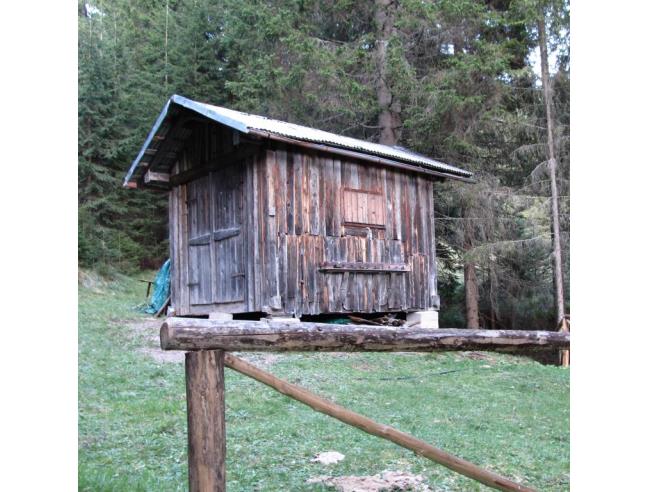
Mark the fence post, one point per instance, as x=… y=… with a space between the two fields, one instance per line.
x=206 y=420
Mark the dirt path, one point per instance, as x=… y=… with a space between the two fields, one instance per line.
x=149 y=330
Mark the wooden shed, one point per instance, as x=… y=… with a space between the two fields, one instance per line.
x=270 y=217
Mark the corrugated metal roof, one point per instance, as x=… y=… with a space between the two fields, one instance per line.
x=245 y=123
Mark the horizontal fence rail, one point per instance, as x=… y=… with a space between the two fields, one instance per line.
x=204 y=334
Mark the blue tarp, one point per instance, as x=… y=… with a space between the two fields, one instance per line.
x=161 y=288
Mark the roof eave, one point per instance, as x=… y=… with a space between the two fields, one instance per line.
x=185 y=103
x=237 y=125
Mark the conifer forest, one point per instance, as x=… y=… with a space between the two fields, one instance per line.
x=480 y=84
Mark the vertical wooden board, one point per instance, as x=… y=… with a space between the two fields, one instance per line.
x=271 y=177
x=361 y=284
x=387 y=197
x=328 y=208
x=305 y=193
x=424 y=245
x=342 y=291
x=398 y=206
x=242 y=222
x=183 y=249
x=351 y=290
x=281 y=192
x=432 y=235
x=320 y=280
x=329 y=254
x=416 y=214
x=351 y=179
x=173 y=242
x=406 y=224
x=425 y=293
x=424 y=218
x=398 y=279
x=262 y=224
x=324 y=200
x=257 y=228
x=270 y=238
x=298 y=208
x=413 y=282
x=290 y=192
x=248 y=235
x=303 y=275
x=336 y=301
x=312 y=269
x=337 y=193
x=314 y=194
x=292 y=267
x=217 y=212
x=382 y=278
x=282 y=256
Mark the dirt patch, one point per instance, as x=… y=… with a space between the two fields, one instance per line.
x=170 y=356
x=149 y=330
x=92 y=281
x=388 y=481
x=479 y=356
x=260 y=359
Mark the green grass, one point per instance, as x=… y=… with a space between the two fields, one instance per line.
x=508 y=414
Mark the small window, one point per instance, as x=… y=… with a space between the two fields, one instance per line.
x=363 y=211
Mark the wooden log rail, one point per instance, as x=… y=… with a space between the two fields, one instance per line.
x=204 y=334
x=206 y=341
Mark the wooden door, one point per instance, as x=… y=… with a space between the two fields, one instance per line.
x=215 y=226
x=228 y=197
x=199 y=232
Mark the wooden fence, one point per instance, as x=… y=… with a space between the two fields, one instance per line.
x=207 y=343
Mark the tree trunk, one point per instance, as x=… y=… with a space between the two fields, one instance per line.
x=472 y=296
x=555 y=216
x=389 y=119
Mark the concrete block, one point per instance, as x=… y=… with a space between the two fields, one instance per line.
x=221 y=316
x=423 y=319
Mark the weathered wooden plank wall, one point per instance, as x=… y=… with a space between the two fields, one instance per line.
x=313 y=209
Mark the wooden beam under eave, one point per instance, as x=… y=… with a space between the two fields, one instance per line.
x=152 y=177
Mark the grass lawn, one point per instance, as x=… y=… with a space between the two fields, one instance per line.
x=508 y=414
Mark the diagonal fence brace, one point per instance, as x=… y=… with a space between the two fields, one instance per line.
x=349 y=417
